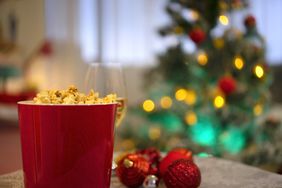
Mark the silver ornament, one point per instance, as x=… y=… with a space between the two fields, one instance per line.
x=151 y=181
x=114 y=166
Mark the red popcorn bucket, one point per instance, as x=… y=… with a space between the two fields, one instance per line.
x=67 y=145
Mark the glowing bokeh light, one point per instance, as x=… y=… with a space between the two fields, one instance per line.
x=191 y=97
x=224 y=20
x=258 y=109
x=148 y=105
x=166 y=102
x=202 y=58
x=238 y=63
x=191 y=118
x=219 y=101
x=259 y=72
x=180 y=94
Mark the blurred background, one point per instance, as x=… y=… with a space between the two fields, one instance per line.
x=199 y=74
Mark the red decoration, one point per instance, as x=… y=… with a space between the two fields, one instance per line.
x=250 y=21
x=132 y=170
x=153 y=156
x=197 y=35
x=182 y=173
x=183 y=151
x=46 y=48
x=227 y=84
x=173 y=155
x=9 y=98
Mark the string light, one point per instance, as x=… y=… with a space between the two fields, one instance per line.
x=154 y=133
x=258 y=109
x=238 y=62
x=148 y=105
x=218 y=101
x=191 y=118
x=180 y=94
x=202 y=58
x=166 y=102
x=191 y=97
x=223 y=20
x=259 y=72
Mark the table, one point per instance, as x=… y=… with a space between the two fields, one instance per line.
x=216 y=173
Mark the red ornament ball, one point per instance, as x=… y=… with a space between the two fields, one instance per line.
x=153 y=156
x=227 y=84
x=173 y=155
x=183 y=151
x=182 y=173
x=250 y=21
x=132 y=170
x=197 y=35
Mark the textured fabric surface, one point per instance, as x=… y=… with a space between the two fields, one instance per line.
x=216 y=173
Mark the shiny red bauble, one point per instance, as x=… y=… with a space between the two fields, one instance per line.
x=197 y=35
x=132 y=170
x=227 y=84
x=153 y=156
x=182 y=173
x=250 y=21
x=173 y=155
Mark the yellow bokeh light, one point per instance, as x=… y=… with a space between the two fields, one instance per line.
x=223 y=20
x=180 y=94
x=191 y=97
x=191 y=118
x=166 y=102
x=238 y=63
x=148 y=105
x=202 y=58
x=259 y=72
x=219 y=101
x=154 y=133
x=218 y=43
x=258 y=109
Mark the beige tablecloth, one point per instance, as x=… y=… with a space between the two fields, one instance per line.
x=216 y=173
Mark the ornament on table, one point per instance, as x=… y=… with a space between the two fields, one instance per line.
x=182 y=173
x=132 y=170
x=151 y=181
x=197 y=35
x=227 y=84
x=153 y=156
x=173 y=155
x=250 y=21
x=182 y=151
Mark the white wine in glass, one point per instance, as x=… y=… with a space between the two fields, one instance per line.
x=121 y=110
x=107 y=78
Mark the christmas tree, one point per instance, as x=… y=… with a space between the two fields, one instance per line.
x=208 y=100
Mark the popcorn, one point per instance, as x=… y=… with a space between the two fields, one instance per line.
x=72 y=96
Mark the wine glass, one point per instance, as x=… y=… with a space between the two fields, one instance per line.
x=107 y=78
